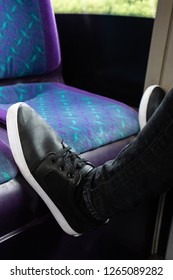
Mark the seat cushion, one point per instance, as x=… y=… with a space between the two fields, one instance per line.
x=84 y=120
x=8 y=168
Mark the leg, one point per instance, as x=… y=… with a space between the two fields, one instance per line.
x=80 y=196
x=142 y=170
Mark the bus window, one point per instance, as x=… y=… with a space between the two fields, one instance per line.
x=139 y=8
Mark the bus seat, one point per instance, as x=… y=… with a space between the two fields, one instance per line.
x=97 y=127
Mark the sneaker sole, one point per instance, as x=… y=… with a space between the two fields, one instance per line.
x=17 y=151
x=144 y=105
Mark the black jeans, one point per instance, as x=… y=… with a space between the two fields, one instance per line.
x=143 y=169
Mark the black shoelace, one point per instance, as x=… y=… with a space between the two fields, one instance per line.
x=67 y=156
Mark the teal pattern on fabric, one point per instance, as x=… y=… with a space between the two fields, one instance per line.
x=8 y=168
x=85 y=121
x=21 y=39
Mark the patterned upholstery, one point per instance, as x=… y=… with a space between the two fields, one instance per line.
x=8 y=168
x=85 y=121
x=30 y=46
x=26 y=39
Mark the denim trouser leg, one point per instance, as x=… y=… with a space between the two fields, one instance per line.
x=142 y=170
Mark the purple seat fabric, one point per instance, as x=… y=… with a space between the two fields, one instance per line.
x=8 y=168
x=84 y=120
x=29 y=44
x=96 y=126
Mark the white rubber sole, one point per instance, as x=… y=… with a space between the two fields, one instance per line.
x=16 y=148
x=144 y=104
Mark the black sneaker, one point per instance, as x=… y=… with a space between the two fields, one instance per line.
x=150 y=100
x=51 y=168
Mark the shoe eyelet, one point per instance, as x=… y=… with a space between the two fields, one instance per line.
x=61 y=168
x=70 y=175
x=53 y=161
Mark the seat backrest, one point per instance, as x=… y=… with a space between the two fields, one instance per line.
x=28 y=38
